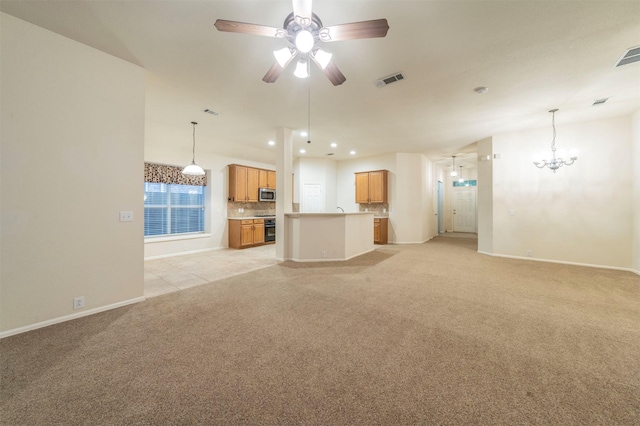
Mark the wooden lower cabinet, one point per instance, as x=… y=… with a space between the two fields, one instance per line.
x=245 y=233
x=380 y=230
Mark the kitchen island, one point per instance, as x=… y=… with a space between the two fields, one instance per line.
x=322 y=237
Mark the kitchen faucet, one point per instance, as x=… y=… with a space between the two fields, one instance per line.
x=341 y=209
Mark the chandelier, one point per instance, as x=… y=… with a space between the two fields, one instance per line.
x=555 y=163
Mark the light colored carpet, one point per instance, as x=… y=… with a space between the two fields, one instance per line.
x=421 y=334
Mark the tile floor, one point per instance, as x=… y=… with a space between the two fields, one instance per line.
x=170 y=274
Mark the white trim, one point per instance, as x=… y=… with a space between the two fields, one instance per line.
x=324 y=259
x=182 y=253
x=588 y=265
x=176 y=237
x=70 y=317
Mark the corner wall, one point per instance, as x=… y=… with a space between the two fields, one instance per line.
x=635 y=155
x=72 y=144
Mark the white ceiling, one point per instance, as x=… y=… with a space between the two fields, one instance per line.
x=532 y=55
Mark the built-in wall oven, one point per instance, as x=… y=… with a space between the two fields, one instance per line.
x=269 y=230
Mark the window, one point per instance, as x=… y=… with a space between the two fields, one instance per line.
x=173 y=209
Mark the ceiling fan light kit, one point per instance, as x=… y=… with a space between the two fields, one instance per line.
x=304 y=30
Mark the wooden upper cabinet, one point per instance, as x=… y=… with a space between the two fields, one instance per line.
x=372 y=187
x=362 y=187
x=243 y=183
x=378 y=186
x=271 y=179
x=267 y=179
x=252 y=184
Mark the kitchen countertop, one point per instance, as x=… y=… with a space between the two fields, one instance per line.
x=251 y=217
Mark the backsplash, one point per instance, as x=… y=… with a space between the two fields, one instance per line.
x=250 y=209
x=378 y=210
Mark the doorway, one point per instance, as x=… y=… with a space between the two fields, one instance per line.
x=464 y=210
x=312 y=198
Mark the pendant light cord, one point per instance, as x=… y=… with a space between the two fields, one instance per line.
x=193 y=159
x=309 y=103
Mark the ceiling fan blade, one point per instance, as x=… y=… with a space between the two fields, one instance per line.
x=272 y=75
x=243 y=27
x=334 y=75
x=302 y=12
x=354 y=30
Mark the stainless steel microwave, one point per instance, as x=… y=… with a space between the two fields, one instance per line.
x=267 y=194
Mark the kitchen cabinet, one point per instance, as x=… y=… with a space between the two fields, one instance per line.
x=246 y=232
x=267 y=179
x=372 y=187
x=243 y=183
x=380 y=230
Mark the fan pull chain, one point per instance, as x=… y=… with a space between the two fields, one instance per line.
x=309 y=102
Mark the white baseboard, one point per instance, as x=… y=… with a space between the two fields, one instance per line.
x=81 y=314
x=588 y=265
x=182 y=253
x=324 y=259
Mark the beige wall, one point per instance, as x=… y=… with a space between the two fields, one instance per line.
x=635 y=122
x=581 y=214
x=412 y=180
x=72 y=152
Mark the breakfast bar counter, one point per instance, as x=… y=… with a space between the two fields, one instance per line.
x=321 y=237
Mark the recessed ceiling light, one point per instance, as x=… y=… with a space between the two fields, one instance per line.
x=303 y=133
x=302 y=151
x=271 y=143
x=481 y=90
x=352 y=152
x=333 y=144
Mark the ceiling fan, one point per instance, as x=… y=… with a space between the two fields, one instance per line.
x=304 y=30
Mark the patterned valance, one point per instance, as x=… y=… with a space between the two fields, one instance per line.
x=161 y=173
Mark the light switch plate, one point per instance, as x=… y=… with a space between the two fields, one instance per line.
x=126 y=216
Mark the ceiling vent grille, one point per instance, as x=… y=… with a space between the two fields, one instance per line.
x=599 y=101
x=630 y=56
x=389 y=79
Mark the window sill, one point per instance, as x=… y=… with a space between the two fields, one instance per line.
x=149 y=240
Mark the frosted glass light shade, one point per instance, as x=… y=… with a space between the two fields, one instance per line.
x=301 y=70
x=193 y=169
x=322 y=58
x=304 y=41
x=283 y=56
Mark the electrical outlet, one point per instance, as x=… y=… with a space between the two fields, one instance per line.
x=78 y=302
x=529 y=253
x=126 y=216
x=240 y=210
x=323 y=253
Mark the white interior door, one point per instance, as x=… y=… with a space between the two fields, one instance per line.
x=312 y=198
x=464 y=210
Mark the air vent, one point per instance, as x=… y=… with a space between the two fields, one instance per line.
x=208 y=111
x=389 y=79
x=600 y=101
x=331 y=153
x=630 y=56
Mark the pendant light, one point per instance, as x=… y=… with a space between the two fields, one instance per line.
x=453 y=167
x=460 y=178
x=193 y=169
